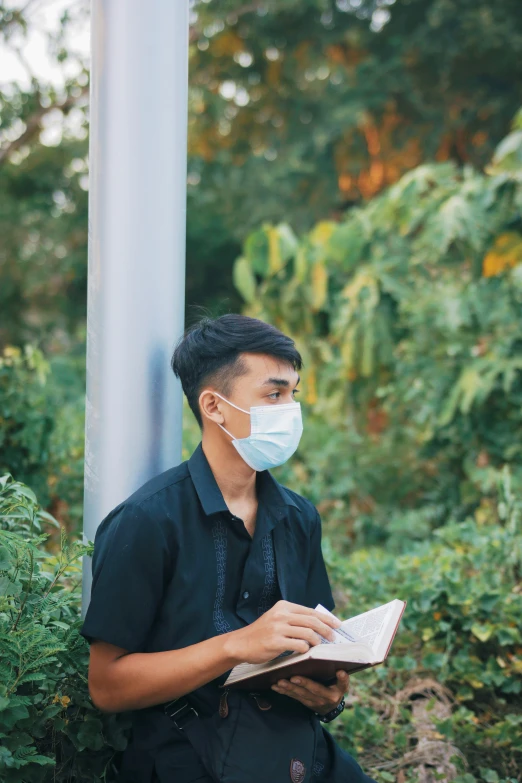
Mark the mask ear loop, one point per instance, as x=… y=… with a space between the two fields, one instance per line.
x=228 y=433
x=231 y=403
x=235 y=406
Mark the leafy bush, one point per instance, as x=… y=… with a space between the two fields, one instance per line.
x=460 y=641
x=42 y=419
x=407 y=314
x=49 y=728
x=26 y=418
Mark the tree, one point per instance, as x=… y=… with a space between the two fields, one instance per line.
x=43 y=190
x=407 y=314
x=315 y=104
x=310 y=106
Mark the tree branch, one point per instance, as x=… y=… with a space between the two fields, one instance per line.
x=195 y=32
x=34 y=123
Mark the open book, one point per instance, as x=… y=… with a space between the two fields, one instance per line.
x=360 y=642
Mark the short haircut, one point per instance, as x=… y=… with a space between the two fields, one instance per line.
x=210 y=352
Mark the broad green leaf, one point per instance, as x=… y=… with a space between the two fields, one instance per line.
x=244 y=279
x=5 y=559
x=322 y=232
x=287 y=241
x=368 y=350
x=509 y=152
x=301 y=265
x=275 y=258
x=319 y=286
x=256 y=251
x=489 y=775
x=482 y=631
x=470 y=384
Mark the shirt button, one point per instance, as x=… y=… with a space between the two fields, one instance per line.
x=246 y=594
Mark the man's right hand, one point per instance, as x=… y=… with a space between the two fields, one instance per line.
x=286 y=626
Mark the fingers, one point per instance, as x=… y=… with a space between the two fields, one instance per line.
x=300 y=626
x=343 y=681
x=323 y=617
x=301 y=632
x=298 y=692
x=311 y=686
x=310 y=693
x=311 y=621
x=297 y=645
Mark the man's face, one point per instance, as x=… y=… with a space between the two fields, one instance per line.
x=267 y=382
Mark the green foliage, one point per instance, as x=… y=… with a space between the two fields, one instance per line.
x=306 y=106
x=49 y=728
x=407 y=314
x=42 y=425
x=461 y=629
x=25 y=420
x=318 y=102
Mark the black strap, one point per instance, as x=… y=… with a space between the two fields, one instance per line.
x=186 y=718
x=180 y=711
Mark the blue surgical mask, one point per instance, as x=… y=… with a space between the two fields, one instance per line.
x=275 y=432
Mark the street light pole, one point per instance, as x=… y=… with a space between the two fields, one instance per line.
x=137 y=229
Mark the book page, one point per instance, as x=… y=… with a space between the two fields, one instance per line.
x=368 y=627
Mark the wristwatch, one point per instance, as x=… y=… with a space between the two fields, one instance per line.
x=327 y=717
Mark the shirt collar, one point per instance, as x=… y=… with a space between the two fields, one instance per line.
x=270 y=491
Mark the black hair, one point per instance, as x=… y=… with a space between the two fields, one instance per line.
x=210 y=352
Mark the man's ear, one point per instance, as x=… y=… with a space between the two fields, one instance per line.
x=210 y=407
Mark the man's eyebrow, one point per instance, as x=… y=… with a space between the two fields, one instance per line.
x=279 y=381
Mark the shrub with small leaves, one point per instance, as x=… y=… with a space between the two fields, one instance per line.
x=49 y=728
x=460 y=637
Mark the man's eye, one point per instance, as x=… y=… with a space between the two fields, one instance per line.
x=276 y=394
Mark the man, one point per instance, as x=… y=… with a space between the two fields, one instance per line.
x=213 y=562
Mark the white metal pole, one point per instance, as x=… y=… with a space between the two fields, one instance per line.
x=137 y=229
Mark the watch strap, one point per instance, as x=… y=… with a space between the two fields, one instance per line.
x=327 y=717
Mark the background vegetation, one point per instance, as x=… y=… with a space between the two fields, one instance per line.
x=387 y=135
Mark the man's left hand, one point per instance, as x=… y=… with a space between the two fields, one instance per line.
x=319 y=698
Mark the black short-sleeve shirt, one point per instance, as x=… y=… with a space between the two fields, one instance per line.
x=172 y=566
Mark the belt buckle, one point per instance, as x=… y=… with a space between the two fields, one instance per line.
x=184 y=711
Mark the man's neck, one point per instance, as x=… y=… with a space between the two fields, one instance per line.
x=236 y=479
